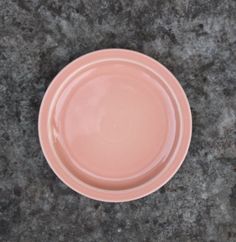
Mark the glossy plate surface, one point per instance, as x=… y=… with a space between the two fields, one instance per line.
x=115 y=125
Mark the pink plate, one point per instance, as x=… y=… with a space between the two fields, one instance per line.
x=115 y=125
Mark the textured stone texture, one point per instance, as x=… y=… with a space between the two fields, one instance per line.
x=196 y=40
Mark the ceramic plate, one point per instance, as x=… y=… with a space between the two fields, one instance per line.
x=115 y=125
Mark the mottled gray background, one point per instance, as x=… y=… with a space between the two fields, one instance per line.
x=196 y=40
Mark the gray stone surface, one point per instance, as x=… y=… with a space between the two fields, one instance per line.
x=196 y=40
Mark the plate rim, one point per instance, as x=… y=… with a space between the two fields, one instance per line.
x=101 y=194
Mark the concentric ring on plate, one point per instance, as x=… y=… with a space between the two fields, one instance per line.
x=115 y=125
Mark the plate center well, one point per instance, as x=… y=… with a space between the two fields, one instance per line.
x=115 y=121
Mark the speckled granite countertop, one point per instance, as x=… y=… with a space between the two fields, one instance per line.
x=196 y=40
